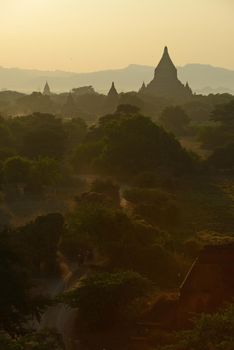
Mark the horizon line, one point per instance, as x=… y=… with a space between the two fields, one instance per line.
x=110 y=69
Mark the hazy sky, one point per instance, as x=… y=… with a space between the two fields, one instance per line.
x=87 y=35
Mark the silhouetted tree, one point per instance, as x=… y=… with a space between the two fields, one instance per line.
x=175 y=120
x=129 y=144
x=105 y=299
x=17 y=170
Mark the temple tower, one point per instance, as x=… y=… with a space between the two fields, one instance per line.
x=113 y=92
x=112 y=99
x=166 y=83
x=143 y=88
x=46 y=90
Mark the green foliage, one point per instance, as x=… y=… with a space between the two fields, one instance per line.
x=175 y=120
x=150 y=195
x=127 y=109
x=123 y=241
x=6 y=153
x=17 y=170
x=198 y=111
x=85 y=156
x=212 y=137
x=46 y=172
x=6 y=138
x=45 y=140
x=210 y=331
x=129 y=144
x=146 y=179
x=45 y=340
x=44 y=232
x=108 y=188
x=41 y=135
x=36 y=102
x=45 y=137
x=155 y=205
x=223 y=158
x=95 y=223
x=105 y=299
x=33 y=174
x=26 y=253
x=221 y=135
x=224 y=113
x=17 y=306
x=75 y=130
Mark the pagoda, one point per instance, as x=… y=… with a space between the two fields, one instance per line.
x=46 y=90
x=166 y=83
x=142 y=89
x=113 y=92
x=112 y=100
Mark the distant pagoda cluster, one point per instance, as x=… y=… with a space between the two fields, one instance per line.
x=165 y=83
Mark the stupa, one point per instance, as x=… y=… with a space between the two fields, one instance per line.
x=46 y=90
x=166 y=83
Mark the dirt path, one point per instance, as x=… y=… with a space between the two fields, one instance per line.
x=61 y=317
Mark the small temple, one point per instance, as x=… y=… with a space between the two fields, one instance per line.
x=166 y=83
x=143 y=88
x=47 y=91
x=113 y=92
x=112 y=99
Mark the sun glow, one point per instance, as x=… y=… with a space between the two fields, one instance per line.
x=83 y=35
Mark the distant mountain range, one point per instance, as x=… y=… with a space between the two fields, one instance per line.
x=202 y=78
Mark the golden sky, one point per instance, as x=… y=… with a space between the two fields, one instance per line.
x=88 y=35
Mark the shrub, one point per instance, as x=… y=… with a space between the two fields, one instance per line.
x=105 y=299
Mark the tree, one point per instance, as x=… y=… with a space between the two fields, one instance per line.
x=105 y=299
x=44 y=143
x=209 y=332
x=95 y=225
x=6 y=138
x=76 y=130
x=108 y=188
x=221 y=133
x=129 y=144
x=46 y=172
x=45 y=340
x=224 y=113
x=70 y=110
x=42 y=135
x=122 y=241
x=175 y=120
x=17 y=170
x=45 y=233
x=155 y=205
x=17 y=306
x=127 y=109
x=36 y=102
x=223 y=158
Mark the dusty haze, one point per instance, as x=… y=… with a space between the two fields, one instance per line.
x=88 y=35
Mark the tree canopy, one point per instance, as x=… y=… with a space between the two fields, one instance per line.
x=105 y=299
x=129 y=143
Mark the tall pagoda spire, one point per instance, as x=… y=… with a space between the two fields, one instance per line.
x=165 y=66
x=112 y=99
x=46 y=90
x=113 y=92
x=166 y=83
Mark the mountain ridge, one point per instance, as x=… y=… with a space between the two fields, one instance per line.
x=203 y=78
